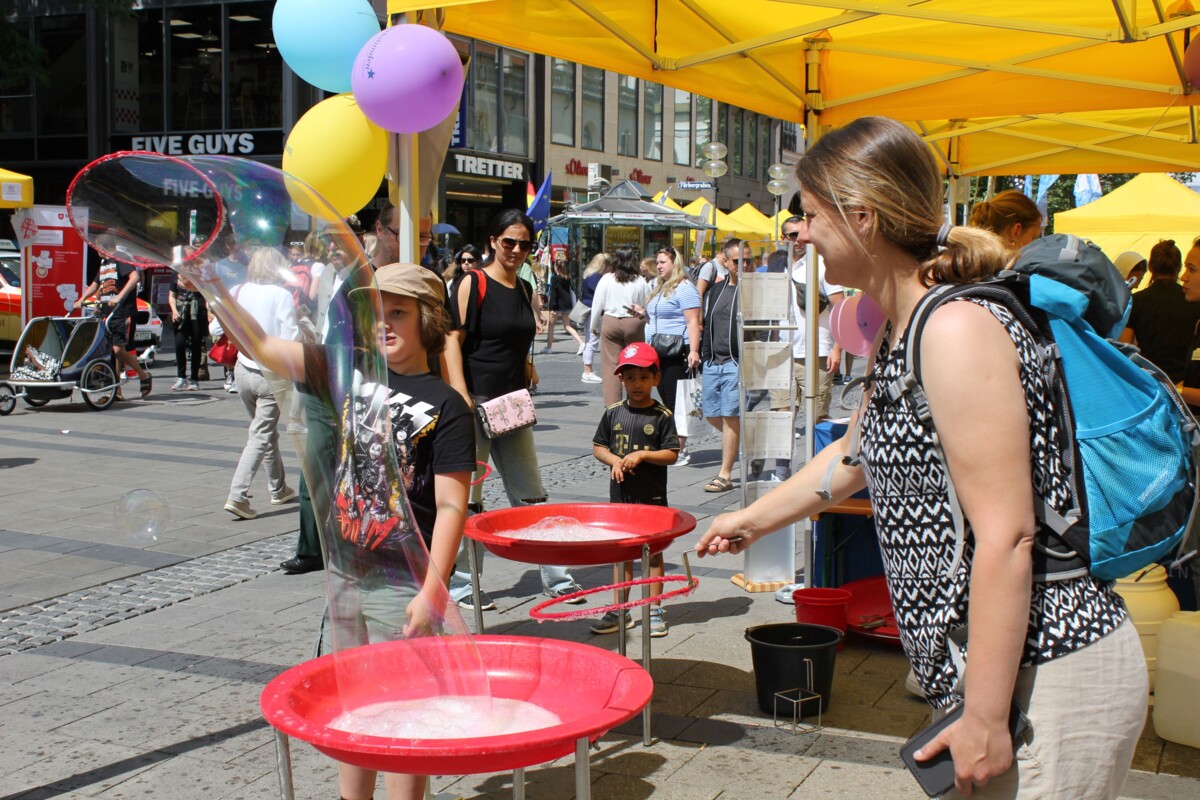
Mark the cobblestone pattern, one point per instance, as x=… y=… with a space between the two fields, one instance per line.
x=89 y=609
x=97 y=606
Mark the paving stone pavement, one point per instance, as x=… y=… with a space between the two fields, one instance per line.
x=133 y=668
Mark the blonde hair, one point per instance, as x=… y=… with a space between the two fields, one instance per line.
x=597 y=264
x=1006 y=209
x=879 y=164
x=267 y=266
x=678 y=275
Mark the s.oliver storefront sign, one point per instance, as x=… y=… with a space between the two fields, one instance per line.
x=259 y=143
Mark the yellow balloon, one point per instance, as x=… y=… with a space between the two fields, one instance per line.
x=337 y=151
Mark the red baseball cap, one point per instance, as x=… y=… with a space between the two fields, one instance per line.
x=638 y=354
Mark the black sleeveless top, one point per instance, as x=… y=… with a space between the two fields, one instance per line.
x=500 y=329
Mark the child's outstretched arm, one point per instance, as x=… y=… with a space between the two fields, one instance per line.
x=607 y=457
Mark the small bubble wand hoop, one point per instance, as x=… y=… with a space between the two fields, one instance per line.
x=690 y=583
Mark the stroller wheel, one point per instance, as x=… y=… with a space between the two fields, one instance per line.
x=100 y=381
x=8 y=399
x=35 y=401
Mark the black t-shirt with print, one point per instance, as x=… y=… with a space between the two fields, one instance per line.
x=434 y=434
x=111 y=279
x=624 y=429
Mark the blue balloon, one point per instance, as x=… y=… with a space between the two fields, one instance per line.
x=319 y=39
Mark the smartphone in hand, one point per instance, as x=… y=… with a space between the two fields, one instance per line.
x=936 y=775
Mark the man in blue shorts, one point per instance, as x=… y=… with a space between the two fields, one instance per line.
x=719 y=351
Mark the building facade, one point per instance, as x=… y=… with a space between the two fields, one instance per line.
x=186 y=77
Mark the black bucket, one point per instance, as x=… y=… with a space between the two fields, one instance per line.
x=780 y=652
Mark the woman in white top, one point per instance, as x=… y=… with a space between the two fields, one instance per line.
x=617 y=317
x=263 y=297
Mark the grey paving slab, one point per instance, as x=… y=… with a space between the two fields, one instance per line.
x=147 y=685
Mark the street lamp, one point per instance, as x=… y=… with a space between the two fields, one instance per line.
x=778 y=186
x=714 y=167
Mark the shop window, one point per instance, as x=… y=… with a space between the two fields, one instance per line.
x=194 y=61
x=704 y=115
x=652 y=117
x=593 y=108
x=764 y=132
x=16 y=97
x=137 y=81
x=683 y=127
x=515 y=119
x=752 y=146
x=485 y=124
x=627 y=113
x=722 y=112
x=736 y=143
x=562 y=102
x=62 y=101
x=255 y=67
x=789 y=136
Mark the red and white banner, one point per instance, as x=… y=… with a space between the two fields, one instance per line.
x=53 y=261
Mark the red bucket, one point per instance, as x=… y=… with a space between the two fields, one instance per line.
x=819 y=606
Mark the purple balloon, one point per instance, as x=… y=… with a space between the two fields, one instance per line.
x=407 y=79
x=870 y=318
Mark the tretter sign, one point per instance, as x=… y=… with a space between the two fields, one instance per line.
x=488 y=167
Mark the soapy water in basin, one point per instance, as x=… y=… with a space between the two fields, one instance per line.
x=564 y=529
x=446 y=717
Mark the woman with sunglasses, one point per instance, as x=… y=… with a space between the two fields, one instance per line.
x=618 y=316
x=468 y=257
x=494 y=321
x=673 y=313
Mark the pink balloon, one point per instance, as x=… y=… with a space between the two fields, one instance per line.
x=1191 y=63
x=846 y=332
x=870 y=318
x=407 y=78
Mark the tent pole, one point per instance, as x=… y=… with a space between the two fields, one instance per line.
x=812 y=132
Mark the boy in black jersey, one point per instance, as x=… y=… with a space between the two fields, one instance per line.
x=636 y=440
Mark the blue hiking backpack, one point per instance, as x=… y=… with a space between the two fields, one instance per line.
x=1131 y=444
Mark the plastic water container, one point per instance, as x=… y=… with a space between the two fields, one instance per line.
x=821 y=606
x=1150 y=602
x=1177 y=700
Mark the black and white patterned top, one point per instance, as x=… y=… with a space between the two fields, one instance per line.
x=916 y=532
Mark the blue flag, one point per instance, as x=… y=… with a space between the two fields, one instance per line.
x=1087 y=189
x=539 y=205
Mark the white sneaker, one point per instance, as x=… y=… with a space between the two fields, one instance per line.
x=591 y=377
x=178 y=385
x=684 y=459
x=579 y=352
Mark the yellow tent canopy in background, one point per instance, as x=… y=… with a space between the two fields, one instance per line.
x=1136 y=216
x=670 y=203
x=755 y=220
x=726 y=226
x=16 y=190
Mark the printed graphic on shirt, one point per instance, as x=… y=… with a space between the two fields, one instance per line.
x=412 y=420
x=365 y=493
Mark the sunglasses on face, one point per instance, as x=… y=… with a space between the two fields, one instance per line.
x=791 y=235
x=466 y=260
x=516 y=244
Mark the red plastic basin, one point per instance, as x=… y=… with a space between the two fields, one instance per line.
x=589 y=689
x=657 y=526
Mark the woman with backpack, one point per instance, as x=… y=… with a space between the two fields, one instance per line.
x=1062 y=651
x=487 y=352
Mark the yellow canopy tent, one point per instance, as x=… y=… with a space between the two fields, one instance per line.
x=726 y=225
x=16 y=190
x=1136 y=216
x=669 y=202
x=830 y=61
x=1139 y=140
x=755 y=220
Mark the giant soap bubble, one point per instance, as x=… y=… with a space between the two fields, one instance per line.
x=224 y=222
x=140 y=516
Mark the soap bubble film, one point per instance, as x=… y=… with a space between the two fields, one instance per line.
x=140 y=515
x=226 y=224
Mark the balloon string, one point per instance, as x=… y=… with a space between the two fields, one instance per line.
x=540 y=615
